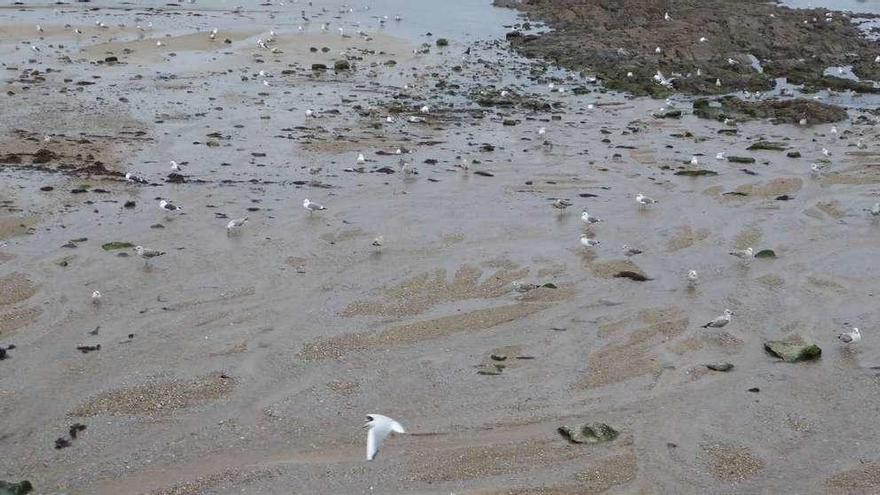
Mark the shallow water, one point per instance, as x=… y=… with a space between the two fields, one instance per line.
x=317 y=327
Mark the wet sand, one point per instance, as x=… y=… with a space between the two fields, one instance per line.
x=247 y=362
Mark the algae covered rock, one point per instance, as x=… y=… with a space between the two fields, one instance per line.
x=793 y=349
x=20 y=488
x=588 y=433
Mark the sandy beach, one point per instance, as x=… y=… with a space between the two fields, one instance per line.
x=246 y=361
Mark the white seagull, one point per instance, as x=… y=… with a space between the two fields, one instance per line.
x=168 y=206
x=587 y=242
x=644 y=200
x=377 y=242
x=850 y=337
x=630 y=251
x=130 y=177
x=361 y=159
x=721 y=320
x=379 y=427
x=561 y=204
x=719 y=155
x=588 y=219
x=236 y=224
x=175 y=166
x=96 y=297
x=693 y=278
x=147 y=254
x=875 y=210
x=743 y=253
x=312 y=207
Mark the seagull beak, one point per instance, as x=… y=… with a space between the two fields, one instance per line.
x=366 y=425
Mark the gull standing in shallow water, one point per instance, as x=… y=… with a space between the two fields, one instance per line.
x=693 y=279
x=561 y=204
x=379 y=427
x=851 y=337
x=587 y=242
x=721 y=321
x=168 y=206
x=743 y=253
x=643 y=200
x=588 y=219
x=312 y=207
x=235 y=225
x=875 y=210
x=147 y=254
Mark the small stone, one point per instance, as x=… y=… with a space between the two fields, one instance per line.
x=720 y=366
x=588 y=433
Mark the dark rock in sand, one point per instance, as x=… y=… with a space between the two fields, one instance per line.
x=319 y=67
x=740 y=159
x=340 y=65
x=765 y=253
x=638 y=277
x=20 y=488
x=767 y=145
x=588 y=433
x=175 y=178
x=668 y=114
x=720 y=366
x=442 y=42
x=696 y=173
x=114 y=245
x=793 y=154
x=793 y=349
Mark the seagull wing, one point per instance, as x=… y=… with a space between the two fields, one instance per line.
x=374 y=440
x=396 y=427
x=845 y=337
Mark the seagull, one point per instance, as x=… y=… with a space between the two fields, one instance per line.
x=542 y=131
x=816 y=169
x=35 y=48
x=694 y=161
x=861 y=144
x=309 y=113
x=803 y=121
x=719 y=155
x=850 y=337
x=826 y=152
x=666 y=16
x=96 y=297
x=720 y=321
x=379 y=427
x=465 y=164
x=644 y=200
x=703 y=39
x=693 y=278
x=361 y=159
x=312 y=207
x=833 y=129
x=167 y=206
x=425 y=109
x=718 y=82
x=159 y=43
x=235 y=224
x=587 y=242
x=561 y=204
x=213 y=33
x=630 y=251
x=130 y=177
x=743 y=253
x=147 y=254
x=875 y=210
x=175 y=166
x=657 y=50
x=39 y=28
x=588 y=219
x=406 y=169
x=377 y=242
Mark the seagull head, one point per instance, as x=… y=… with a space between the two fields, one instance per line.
x=306 y=203
x=728 y=312
x=370 y=422
x=139 y=249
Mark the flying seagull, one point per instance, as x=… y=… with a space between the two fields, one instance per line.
x=379 y=427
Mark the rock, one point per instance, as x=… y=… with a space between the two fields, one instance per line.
x=43 y=156
x=341 y=65
x=696 y=173
x=111 y=59
x=668 y=114
x=720 y=366
x=765 y=253
x=319 y=67
x=3 y=354
x=112 y=246
x=767 y=145
x=793 y=154
x=588 y=433
x=484 y=173
x=20 y=488
x=636 y=276
x=47 y=188
x=508 y=122
x=129 y=204
x=442 y=42
x=175 y=178
x=740 y=159
x=793 y=349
